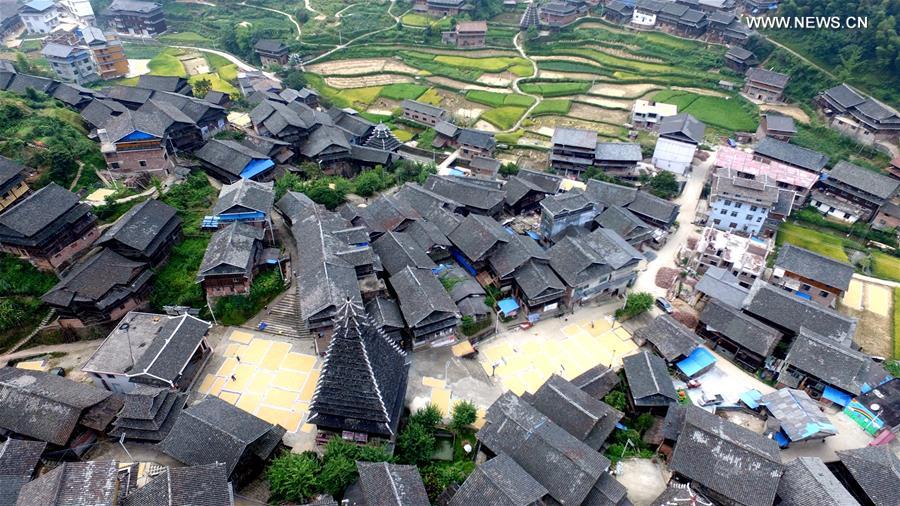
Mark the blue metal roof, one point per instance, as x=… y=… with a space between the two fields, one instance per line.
x=256 y=167
x=508 y=306
x=751 y=398
x=837 y=396
x=698 y=360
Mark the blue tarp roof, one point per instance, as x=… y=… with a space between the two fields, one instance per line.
x=533 y=235
x=507 y=306
x=751 y=398
x=137 y=135
x=698 y=360
x=802 y=295
x=781 y=439
x=256 y=167
x=837 y=396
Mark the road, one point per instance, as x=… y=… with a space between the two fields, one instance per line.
x=802 y=58
x=246 y=67
x=276 y=11
x=351 y=41
x=689 y=200
x=515 y=84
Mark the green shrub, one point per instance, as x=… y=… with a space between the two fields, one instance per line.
x=293 y=477
x=635 y=304
x=464 y=414
x=416 y=444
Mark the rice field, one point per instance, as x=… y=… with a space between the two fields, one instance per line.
x=810 y=239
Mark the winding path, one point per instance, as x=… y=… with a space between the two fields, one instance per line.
x=515 y=84
x=246 y=67
x=285 y=14
x=351 y=41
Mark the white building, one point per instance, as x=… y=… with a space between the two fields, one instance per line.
x=71 y=63
x=648 y=114
x=80 y=10
x=679 y=137
x=741 y=204
x=40 y=16
x=643 y=18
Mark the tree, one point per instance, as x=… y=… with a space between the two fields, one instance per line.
x=201 y=87
x=664 y=185
x=509 y=169
x=637 y=303
x=371 y=181
x=330 y=192
x=429 y=416
x=294 y=78
x=337 y=473
x=643 y=422
x=288 y=182
x=464 y=415
x=416 y=444
x=293 y=476
x=438 y=476
x=616 y=399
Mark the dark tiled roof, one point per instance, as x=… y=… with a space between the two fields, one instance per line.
x=588 y=419
x=477 y=138
x=625 y=223
x=41 y=210
x=718 y=283
x=245 y=195
x=384 y=313
x=143 y=227
x=214 y=431
x=786 y=310
x=846 y=96
x=597 y=381
x=363 y=380
x=323 y=138
x=172 y=84
x=547 y=183
x=499 y=482
x=194 y=485
x=832 y=362
x=421 y=295
x=532 y=440
x=465 y=192
x=866 y=180
x=585 y=257
x=517 y=188
x=729 y=459
x=807 y=482
x=427 y=234
x=19 y=457
x=295 y=205
x=424 y=108
x=780 y=123
x=876 y=469
x=514 y=253
x=171 y=349
x=682 y=127
x=10 y=173
x=477 y=234
x=387 y=212
x=648 y=380
x=562 y=202
x=575 y=137
x=21 y=83
x=670 y=337
x=791 y=154
x=739 y=327
x=103 y=279
x=814 y=266
x=487 y=166
x=230 y=156
x=391 y=484
x=398 y=250
x=270 y=45
x=618 y=152
x=148 y=413
x=680 y=493
x=231 y=249
x=767 y=77
x=607 y=491
x=736 y=52
x=95 y=483
x=537 y=279
x=609 y=194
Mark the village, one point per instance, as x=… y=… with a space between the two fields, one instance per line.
x=273 y=285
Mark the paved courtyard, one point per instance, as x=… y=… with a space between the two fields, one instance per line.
x=266 y=377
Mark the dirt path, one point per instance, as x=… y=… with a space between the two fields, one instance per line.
x=803 y=58
x=351 y=41
x=276 y=11
x=77 y=176
x=228 y=56
x=76 y=347
x=515 y=84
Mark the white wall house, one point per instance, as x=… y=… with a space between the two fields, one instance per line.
x=40 y=16
x=673 y=156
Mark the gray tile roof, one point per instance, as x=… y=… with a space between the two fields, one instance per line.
x=384 y=313
x=10 y=173
x=832 y=362
x=427 y=235
x=514 y=253
x=618 y=152
x=477 y=234
x=682 y=127
x=876 y=469
x=609 y=194
x=845 y=96
x=270 y=45
x=421 y=295
x=625 y=223
x=866 y=180
x=398 y=250
x=477 y=138
x=21 y=83
x=295 y=205
x=565 y=202
x=391 y=484
x=649 y=380
x=363 y=380
x=670 y=337
x=43 y=406
x=718 y=283
x=588 y=419
x=649 y=206
x=780 y=123
x=148 y=414
x=245 y=195
x=514 y=427
x=791 y=154
x=144 y=227
x=807 y=482
x=536 y=279
x=768 y=77
x=94 y=483
x=798 y=415
x=739 y=327
x=518 y=188
x=424 y=200
x=581 y=259
x=169 y=352
x=814 y=266
x=680 y=493
x=607 y=491
x=172 y=84
x=387 y=212
x=103 y=279
x=546 y=182
x=786 y=310
x=575 y=137
x=230 y=156
x=194 y=485
x=499 y=482
x=467 y=193
x=19 y=457
x=737 y=52
x=487 y=166
x=597 y=381
x=214 y=431
x=41 y=210
x=424 y=108
x=726 y=458
x=231 y=249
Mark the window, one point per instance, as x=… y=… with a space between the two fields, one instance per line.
x=758 y=219
x=846 y=216
x=114 y=165
x=727 y=202
x=732 y=225
x=724 y=211
x=805 y=288
x=142 y=163
x=737 y=205
x=734 y=214
x=753 y=208
x=823 y=293
x=717 y=222
x=750 y=217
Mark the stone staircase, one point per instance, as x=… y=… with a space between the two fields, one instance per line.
x=284 y=318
